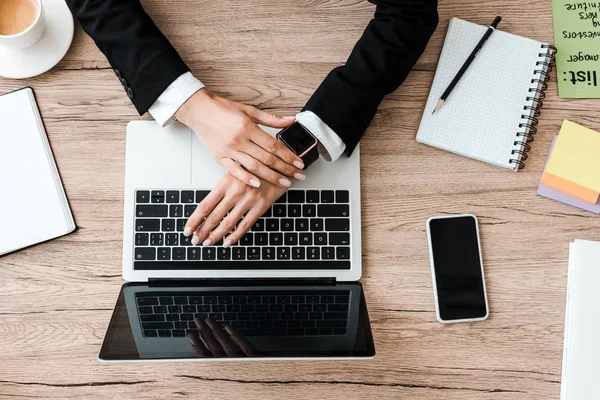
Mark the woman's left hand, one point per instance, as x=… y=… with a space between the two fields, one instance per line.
x=210 y=222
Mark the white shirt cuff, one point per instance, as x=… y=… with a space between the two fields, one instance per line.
x=164 y=108
x=332 y=146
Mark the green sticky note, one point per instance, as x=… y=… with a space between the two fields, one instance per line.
x=577 y=40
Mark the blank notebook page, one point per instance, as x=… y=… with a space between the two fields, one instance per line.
x=481 y=117
x=33 y=206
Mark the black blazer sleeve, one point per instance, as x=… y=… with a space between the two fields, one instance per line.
x=141 y=56
x=390 y=46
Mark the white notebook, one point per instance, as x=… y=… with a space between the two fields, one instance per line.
x=581 y=350
x=33 y=204
x=491 y=113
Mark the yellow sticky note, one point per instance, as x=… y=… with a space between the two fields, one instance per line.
x=576 y=156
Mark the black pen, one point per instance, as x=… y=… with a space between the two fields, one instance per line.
x=467 y=63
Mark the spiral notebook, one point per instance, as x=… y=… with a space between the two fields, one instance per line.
x=492 y=113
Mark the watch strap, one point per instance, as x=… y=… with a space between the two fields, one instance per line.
x=310 y=157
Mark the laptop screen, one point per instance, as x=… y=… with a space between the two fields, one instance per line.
x=238 y=321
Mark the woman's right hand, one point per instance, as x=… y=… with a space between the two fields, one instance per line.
x=229 y=131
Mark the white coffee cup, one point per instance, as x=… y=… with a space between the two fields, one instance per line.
x=29 y=36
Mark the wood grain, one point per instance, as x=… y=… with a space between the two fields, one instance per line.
x=56 y=298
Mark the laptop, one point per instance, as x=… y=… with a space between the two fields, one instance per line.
x=288 y=290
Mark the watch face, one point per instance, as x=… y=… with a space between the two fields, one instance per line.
x=297 y=138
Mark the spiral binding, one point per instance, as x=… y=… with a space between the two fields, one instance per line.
x=529 y=121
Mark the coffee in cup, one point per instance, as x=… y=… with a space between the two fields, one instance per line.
x=21 y=23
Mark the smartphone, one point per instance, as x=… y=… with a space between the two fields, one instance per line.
x=457 y=269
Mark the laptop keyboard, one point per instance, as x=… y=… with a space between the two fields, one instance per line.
x=303 y=313
x=304 y=229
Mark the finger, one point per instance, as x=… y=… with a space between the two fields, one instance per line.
x=273 y=162
x=228 y=224
x=203 y=209
x=274 y=146
x=240 y=173
x=241 y=341
x=268 y=119
x=261 y=170
x=207 y=335
x=245 y=224
x=211 y=221
x=197 y=345
x=231 y=349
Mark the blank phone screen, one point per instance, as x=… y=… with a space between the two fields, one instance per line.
x=457 y=265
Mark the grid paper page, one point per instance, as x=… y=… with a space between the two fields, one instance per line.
x=481 y=117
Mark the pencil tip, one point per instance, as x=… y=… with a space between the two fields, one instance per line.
x=433 y=111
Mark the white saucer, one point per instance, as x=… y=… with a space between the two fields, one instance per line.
x=45 y=54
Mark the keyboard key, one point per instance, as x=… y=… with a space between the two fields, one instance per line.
x=195 y=300
x=268 y=253
x=156 y=239
x=327 y=299
x=150 y=333
x=165 y=301
x=223 y=253
x=320 y=239
x=239 y=299
x=229 y=316
x=208 y=253
x=168 y=225
x=172 y=196
x=327 y=196
x=316 y=224
x=157 y=196
x=216 y=316
x=333 y=210
x=152 y=317
x=325 y=331
x=272 y=225
x=180 y=325
x=247 y=239
x=342 y=196
x=268 y=213
x=339 y=239
x=238 y=253
x=283 y=300
x=336 y=315
x=294 y=210
x=275 y=239
x=145 y=253
x=147 y=225
x=189 y=210
x=164 y=333
x=312 y=196
x=261 y=239
x=188 y=309
x=147 y=301
x=276 y=308
x=337 y=307
x=295 y=196
x=343 y=253
x=186 y=317
x=254 y=253
x=193 y=253
x=298 y=253
x=185 y=240
x=164 y=253
x=298 y=299
x=201 y=194
x=187 y=196
x=312 y=299
x=309 y=211
x=178 y=333
x=145 y=310
x=157 y=325
x=339 y=331
x=342 y=299
x=225 y=300
x=328 y=253
x=291 y=239
x=262 y=307
x=180 y=224
x=333 y=225
x=171 y=239
x=174 y=309
x=283 y=253
x=282 y=199
x=175 y=210
x=160 y=309
x=301 y=225
x=150 y=211
x=305 y=307
x=305 y=239
x=287 y=224
x=290 y=308
x=141 y=239
x=279 y=210
x=142 y=196
x=179 y=253
x=233 y=308
x=268 y=300
x=258 y=226
x=313 y=253
x=340 y=323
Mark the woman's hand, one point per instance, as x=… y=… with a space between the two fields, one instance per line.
x=210 y=222
x=229 y=132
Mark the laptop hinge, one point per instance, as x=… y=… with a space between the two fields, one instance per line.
x=166 y=282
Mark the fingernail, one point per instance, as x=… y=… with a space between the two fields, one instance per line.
x=228 y=329
x=227 y=243
x=291 y=117
x=187 y=231
x=207 y=242
x=299 y=176
x=299 y=164
x=285 y=182
x=254 y=183
x=195 y=240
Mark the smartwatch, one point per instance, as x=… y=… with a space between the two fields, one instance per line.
x=301 y=142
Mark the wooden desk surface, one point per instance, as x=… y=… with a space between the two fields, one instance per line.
x=56 y=298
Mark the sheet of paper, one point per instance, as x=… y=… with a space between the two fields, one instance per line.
x=570 y=188
x=577 y=39
x=576 y=156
